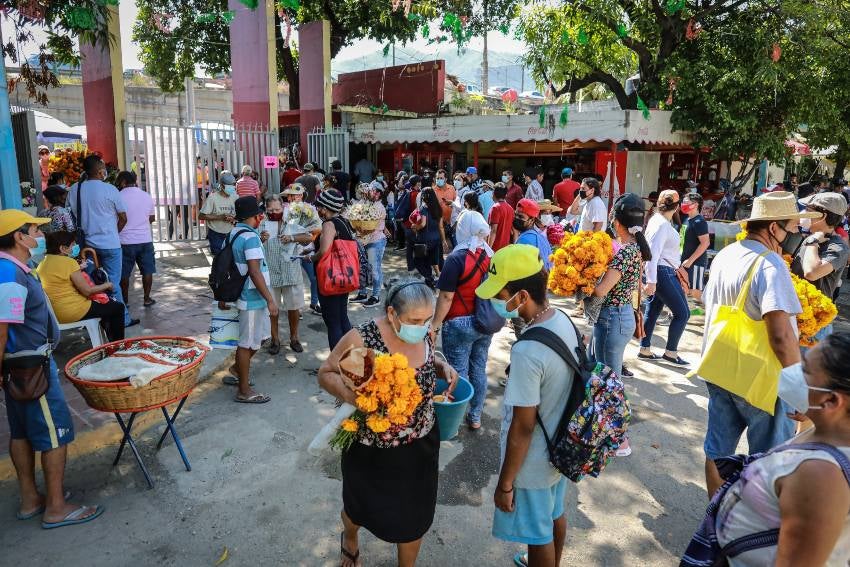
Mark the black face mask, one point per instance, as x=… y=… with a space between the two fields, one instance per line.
x=582 y=194
x=519 y=224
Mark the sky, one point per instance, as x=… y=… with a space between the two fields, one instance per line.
x=130 y=51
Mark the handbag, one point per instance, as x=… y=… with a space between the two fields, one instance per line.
x=682 y=276
x=738 y=356
x=484 y=318
x=338 y=271
x=25 y=375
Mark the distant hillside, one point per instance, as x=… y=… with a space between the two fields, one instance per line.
x=504 y=67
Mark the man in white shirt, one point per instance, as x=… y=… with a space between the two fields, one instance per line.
x=101 y=215
x=772 y=299
x=535 y=186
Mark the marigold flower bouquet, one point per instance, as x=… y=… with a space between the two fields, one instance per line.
x=579 y=263
x=387 y=396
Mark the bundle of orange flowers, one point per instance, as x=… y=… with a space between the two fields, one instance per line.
x=69 y=162
x=384 y=403
x=818 y=309
x=579 y=262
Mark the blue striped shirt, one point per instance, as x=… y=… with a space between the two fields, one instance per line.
x=247 y=246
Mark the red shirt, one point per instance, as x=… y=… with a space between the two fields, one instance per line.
x=458 y=266
x=248 y=186
x=501 y=214
x=564 y=193
x=289 y=177
x=514 y=195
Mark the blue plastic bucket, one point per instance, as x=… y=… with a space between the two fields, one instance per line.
x=450 y=414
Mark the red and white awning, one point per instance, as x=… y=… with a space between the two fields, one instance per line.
x=798 y=148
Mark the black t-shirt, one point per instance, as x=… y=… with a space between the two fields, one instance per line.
x=834 y=251
x=694 y=228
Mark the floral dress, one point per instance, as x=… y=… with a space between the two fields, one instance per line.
x=627 y=261
x=389 y=480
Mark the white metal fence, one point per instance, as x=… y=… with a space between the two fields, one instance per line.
x=180 y=165
x=325 y=147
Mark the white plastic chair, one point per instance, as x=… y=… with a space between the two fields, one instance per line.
x=92 y=327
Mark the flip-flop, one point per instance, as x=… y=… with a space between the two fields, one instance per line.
x=255 y=399
x=651 y=356
x=678 y=360
x=231 y=380
x=38 y=511
x=74 y=518
x=149 y=302
x=521 y=559
x=353 y=557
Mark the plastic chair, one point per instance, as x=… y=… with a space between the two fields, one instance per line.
x=92 y=327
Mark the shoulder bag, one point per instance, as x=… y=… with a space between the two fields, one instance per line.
x=484 y=318
x=78 y=220
x=338 y=271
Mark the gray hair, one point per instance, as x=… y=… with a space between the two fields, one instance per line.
x=272 y=198
x=247 y=170
x=408 y=293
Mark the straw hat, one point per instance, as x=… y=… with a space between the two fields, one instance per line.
x=546 y=206
x=294 y=189
x=779 y=205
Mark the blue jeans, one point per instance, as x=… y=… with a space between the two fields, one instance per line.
x=611 y=334
x=216 y=240
x=466 y=350
x=375 y=252
x=112 y=260
x=668 y=292
x=310 y=269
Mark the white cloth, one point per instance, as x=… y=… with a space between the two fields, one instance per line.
x=472 y=232
x=663 y=240
x=538 y=378
x=534 y=191
x=772 y=288
x=752 y=505
x=594 y=211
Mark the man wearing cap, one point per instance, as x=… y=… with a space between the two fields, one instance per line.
x=256 y=304
x=823 y=255
x=309 y=181
x=529 y=227
x=473 y=179
x=27 y=325
x=530 y=492
x=565 y=192
x=771 y=298
x=217 y=211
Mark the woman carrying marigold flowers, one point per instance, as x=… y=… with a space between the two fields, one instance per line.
x=389 y=472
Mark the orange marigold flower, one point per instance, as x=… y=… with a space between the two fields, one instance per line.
x=377 y=423
x=350 y=425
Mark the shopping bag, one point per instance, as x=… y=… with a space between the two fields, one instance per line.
x=338 y=271
x=737 y=355
x=224 y=327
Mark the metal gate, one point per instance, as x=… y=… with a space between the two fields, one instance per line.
x=180 y=165
x=26 y=151
x=325 y=147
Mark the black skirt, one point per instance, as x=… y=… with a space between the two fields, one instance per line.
x=392 y=492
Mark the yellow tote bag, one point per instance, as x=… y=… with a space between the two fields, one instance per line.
x=738 y=357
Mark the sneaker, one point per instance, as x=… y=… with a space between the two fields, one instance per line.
x=372 y=301
x=665 y=320
x=361 y=298
x=317 y=309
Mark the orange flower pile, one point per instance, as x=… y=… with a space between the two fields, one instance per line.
x=579 y=262
x=385 y=402
x=69 y=162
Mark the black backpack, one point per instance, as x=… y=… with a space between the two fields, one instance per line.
x=225 y=280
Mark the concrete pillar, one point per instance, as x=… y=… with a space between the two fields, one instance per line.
x=103 y=94
x=314 y=79
x=10 y=183
x=254 y=65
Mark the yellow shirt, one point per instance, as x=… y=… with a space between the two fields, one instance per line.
x=55 y=275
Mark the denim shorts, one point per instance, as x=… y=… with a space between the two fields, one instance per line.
x=46 y=422
x=534 y=511
x=729 y=415
x=140 y=255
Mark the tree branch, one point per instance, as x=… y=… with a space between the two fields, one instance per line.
x=638 y=47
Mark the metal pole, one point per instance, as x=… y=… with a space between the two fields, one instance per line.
x=190 y=101
x=10 y=183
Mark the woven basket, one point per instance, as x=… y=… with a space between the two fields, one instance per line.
x=364 y=226
x=122 y=396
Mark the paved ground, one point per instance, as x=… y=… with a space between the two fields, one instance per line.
x=255 y=491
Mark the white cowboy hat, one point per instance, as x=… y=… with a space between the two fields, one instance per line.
x=779 y=205
x=294 y=189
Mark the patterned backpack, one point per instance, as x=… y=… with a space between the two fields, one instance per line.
x=704 y=549
x=596 y=415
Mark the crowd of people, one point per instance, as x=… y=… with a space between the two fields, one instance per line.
x=475 y=252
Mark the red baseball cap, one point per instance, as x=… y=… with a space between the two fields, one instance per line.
x=529 y=207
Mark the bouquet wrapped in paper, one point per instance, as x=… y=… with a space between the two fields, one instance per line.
x=387 y=396
x=365 y=216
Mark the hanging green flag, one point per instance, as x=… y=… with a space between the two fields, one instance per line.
x=643 y=108
x=565 y=116
x=252 y=4
x=542 y=116
x=426 y=31
x=384 y=108
x=673 y=6
x=292 y=4
x=386 y=49
x=622 y=30
x=565 y=37
x=504 y=29
x=582 y=37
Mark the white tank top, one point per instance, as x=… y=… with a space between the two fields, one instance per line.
x=752 y=505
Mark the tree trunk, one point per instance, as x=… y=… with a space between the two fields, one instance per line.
x=841 y=158
x=290 y=71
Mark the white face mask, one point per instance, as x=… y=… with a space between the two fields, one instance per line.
x=794 y=389
x=806 y=224
x=546 y=219
x=458 y=184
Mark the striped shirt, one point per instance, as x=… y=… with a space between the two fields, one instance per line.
x=247 y=246
x=247 y=186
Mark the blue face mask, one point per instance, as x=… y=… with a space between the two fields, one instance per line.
x=504 y=179
x=75 y=251
x=411 y=334
x=380 y=178
x=441 y=183
x=230 y=189
x=500 y=306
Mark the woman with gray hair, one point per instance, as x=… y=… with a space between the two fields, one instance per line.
x=389 y=479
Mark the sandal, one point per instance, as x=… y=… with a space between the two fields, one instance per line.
x=296 y=346
x=149 y=302
x=353 y=557
x=521 y=560
x=253 y=399
x=678 y=360
x=274 y=347
x=231 y=380
x=38 y=511
x=74 y=518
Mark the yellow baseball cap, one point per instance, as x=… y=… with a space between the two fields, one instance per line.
x=13 y=219
x=511 y=263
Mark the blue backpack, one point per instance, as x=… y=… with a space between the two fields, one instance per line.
x=703 y=549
